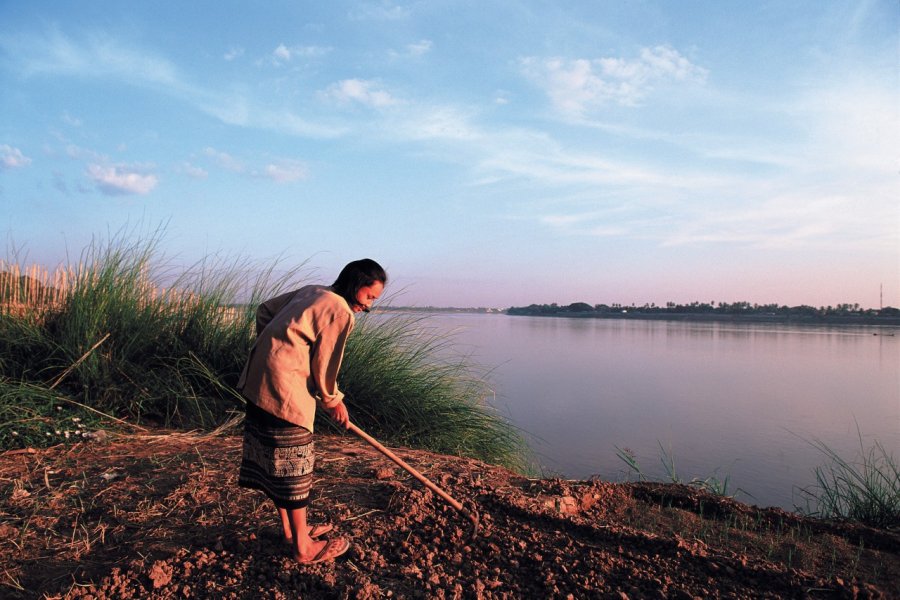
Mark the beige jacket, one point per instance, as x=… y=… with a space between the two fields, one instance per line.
x=294 y=363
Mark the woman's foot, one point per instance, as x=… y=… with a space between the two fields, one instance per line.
x=315 y=531
x=324 y=551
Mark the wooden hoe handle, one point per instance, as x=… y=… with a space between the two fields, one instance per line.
x=425 y=481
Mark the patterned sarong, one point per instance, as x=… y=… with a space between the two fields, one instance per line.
x=278 y=458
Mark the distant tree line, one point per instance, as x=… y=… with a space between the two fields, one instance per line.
x=711 y=309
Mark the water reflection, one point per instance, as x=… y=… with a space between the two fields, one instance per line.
x=723 y=398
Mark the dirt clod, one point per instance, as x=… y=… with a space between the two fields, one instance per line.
x=172 y=523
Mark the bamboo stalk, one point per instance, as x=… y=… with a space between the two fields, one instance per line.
x=78 y=362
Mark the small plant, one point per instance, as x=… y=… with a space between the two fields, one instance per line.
x=866 y=489
x=33 y=415
x=711 y=484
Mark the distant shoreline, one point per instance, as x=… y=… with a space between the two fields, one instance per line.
x=876 y=321
x=789 y=319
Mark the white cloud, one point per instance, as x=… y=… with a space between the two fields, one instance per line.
x=121 y=180
x=574 y=86
x=70 y=120
x=380 y=11
x=233 y=53
x=284 y=54
x=194 y=171
x=419 y=48
x=854 y=124
x=361 y=91
x=414 y=50
x=285 y=171
x=225 y=160
x=96 y=56
x=439 y=123
x=12 y=158
x=105 y=58
x=281 y=170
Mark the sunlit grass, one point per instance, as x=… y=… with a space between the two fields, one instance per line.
x=864 y=489
x=109 y=339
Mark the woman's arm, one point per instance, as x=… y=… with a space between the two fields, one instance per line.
x=325 y=362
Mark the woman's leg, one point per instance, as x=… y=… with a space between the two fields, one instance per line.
x=305 y=548
x=314 y=531
x=285 y=525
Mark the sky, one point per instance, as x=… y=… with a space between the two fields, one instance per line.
x=489 y=153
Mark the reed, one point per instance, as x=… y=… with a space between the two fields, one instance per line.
x=102 y=334
x=865 y=489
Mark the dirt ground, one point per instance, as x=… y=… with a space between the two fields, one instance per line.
x=161 y=516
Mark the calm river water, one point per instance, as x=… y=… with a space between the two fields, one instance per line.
x=723 y=399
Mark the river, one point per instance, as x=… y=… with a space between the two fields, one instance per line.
x=741 y=401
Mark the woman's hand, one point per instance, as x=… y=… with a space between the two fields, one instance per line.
x=340 y=415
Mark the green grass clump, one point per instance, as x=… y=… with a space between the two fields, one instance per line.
x=866 y=489
x=403 y=386
x=116 y=350
x=712 y=484
x=32 y=415
x=119 y=345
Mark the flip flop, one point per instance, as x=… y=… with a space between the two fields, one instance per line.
x=316 y=531
x=332 y=549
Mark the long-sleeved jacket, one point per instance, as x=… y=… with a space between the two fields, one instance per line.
x=299 y=346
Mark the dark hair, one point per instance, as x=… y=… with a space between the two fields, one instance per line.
x=355 y=275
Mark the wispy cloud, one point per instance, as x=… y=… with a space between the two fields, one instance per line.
x=285 y=54
x=367 y=93
x=225 y=160
x=121 y=180
x=438 y=123
x=280 y=170
x=233 y=53
x=193 y=171
x=811 y=194
x=104 y=57
x=414 y=50
x=12 y=158
x=96 y=55
x=285 y=171
x=385 y=10
x=577 y=85
x=71 y=121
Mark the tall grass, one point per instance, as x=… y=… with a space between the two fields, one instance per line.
x=164 y=352
x=865 y=489
x=113 y=344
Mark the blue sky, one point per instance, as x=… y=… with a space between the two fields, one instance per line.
x=486 y=153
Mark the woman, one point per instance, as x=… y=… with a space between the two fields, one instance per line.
x=293 y=368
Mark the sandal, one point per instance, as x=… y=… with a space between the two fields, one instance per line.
x=315 y=532
x=332 y=549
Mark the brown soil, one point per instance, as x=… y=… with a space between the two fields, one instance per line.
x=162 y=517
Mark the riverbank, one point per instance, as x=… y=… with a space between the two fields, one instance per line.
x=887 y=322
x=160 y=516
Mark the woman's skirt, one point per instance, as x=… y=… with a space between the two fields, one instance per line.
x=278 y=458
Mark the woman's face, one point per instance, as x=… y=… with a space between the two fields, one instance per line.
x=367 y=295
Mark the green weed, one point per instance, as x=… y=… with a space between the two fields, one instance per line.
x=865 y=489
